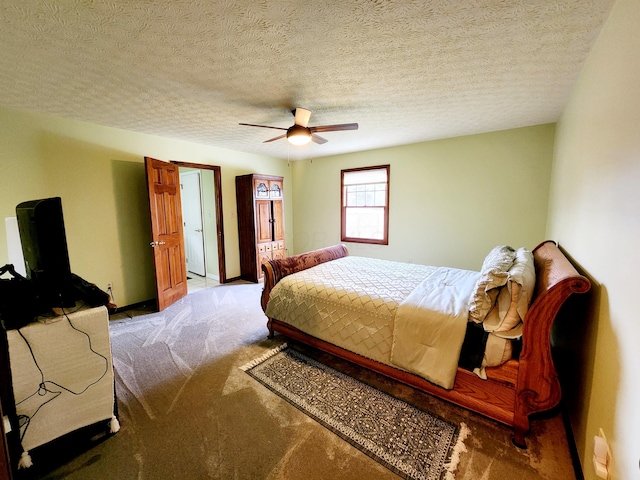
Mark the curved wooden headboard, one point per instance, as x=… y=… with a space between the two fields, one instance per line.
x=538 y=386
x=275 y=270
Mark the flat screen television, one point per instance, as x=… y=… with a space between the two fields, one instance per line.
x=44 y=246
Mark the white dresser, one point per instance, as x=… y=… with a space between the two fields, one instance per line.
x=62 y=375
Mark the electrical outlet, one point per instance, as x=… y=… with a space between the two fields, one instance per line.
x=109 y=285
x=601 y=456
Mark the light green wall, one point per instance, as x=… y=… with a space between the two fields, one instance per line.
x=99 y=173
x=451 y=200
x=595 y=214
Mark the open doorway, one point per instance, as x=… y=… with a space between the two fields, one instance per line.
x=201 y=200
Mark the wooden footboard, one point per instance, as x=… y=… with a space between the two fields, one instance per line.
x=513 y=391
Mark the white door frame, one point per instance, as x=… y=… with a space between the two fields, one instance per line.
x=193 y=223
x=217 y=198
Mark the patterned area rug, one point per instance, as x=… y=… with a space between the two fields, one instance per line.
x=410 y=442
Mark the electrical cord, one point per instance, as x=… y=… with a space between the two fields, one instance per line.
x=43 y=388
x=110 y=292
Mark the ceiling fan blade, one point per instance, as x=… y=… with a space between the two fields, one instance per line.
x=318 y=139
x=261 y=126
x=302 y=116
x=275 y=138
x=334 y=128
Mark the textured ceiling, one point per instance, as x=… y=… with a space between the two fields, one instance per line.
x=406 y=71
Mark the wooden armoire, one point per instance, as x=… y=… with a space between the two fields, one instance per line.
x=260 y=222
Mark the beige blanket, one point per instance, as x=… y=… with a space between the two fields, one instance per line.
x=430 y=325
x=409 y=316
x=350 y=302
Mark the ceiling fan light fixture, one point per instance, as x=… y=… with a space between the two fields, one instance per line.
x=298 y=135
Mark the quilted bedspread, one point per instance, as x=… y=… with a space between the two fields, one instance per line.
x=350 y=302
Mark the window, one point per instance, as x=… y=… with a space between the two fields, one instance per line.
x=365 y=205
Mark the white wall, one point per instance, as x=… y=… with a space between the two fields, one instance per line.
x=595 y=215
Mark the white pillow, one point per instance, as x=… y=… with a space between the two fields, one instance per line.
x=523 y=272
x=493 y=275
x=506 y=317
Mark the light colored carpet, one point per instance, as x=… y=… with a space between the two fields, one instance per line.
x=187 y=411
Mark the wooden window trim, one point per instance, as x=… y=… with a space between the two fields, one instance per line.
x=343 y=208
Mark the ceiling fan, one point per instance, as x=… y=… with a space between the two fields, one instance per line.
x=300 y=133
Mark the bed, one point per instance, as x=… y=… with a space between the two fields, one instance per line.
x=480 y=340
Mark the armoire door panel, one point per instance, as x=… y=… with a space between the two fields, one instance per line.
x=278 y=253
x=275 y=189
x=278 y=220
x=263 y=221
x=262 y=258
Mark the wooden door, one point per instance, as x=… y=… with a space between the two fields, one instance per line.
x=278 y=220
x=167 y=239
x=263 y=221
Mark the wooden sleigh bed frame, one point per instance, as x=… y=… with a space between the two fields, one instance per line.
x=512 y=391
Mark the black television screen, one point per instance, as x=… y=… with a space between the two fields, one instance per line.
x=44 y=246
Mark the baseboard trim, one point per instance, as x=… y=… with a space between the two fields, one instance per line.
x=229 y=280
x=144 y=303
x=571 y=440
